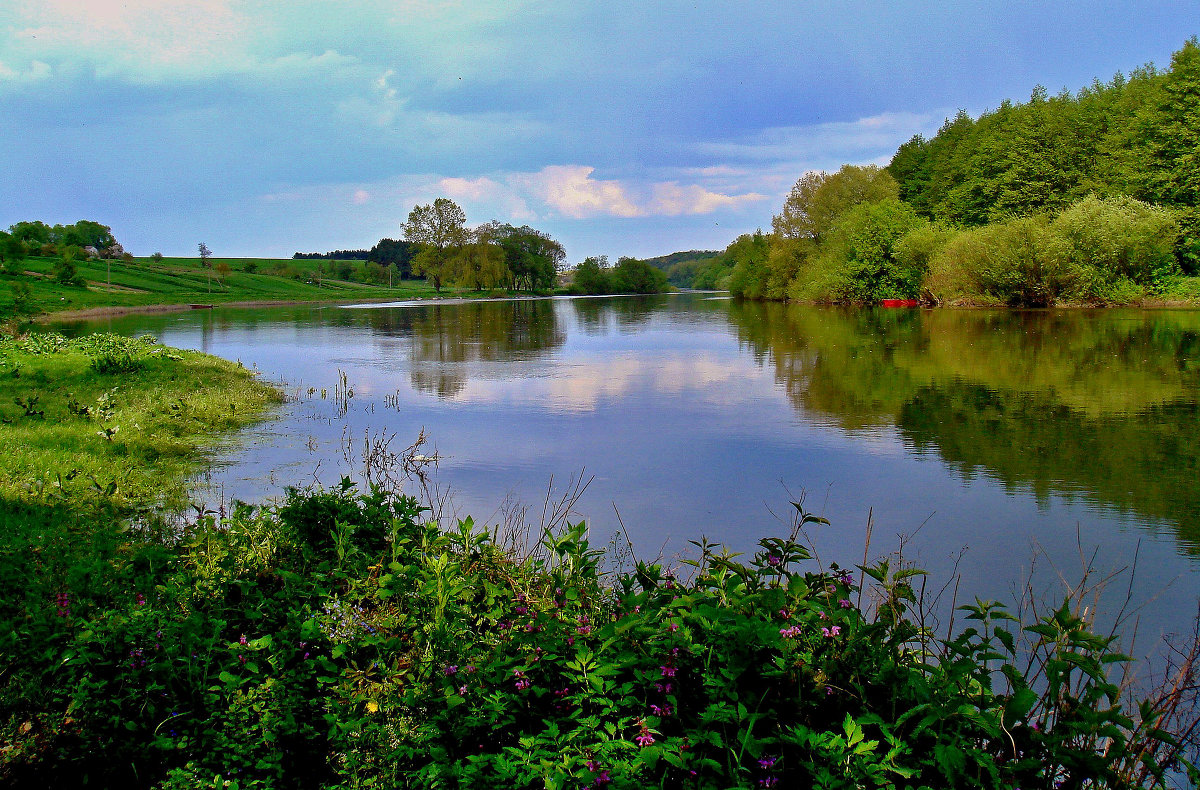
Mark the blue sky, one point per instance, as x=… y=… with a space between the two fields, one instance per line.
x=621 y=128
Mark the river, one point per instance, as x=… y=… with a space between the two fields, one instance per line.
x=973 y=440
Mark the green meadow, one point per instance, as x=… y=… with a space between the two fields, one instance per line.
x=144 y=281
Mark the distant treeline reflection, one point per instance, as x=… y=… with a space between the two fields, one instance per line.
x=1098 y=405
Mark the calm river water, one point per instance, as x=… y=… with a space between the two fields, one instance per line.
x=998 y=433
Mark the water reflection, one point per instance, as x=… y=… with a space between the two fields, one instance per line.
x=445 y=342
x=1100 y=405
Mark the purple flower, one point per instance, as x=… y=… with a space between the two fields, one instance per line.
x=661 y=710
x=790 y=633
x=603 y=779
x=846 y=578
x=141 y=600
x=242 y=639
x=667 y=671
x=451 y=669
x=766 y=762
x=831 y=632
x=774 y=560
x=462 y=691
x=673 y=627
x=469 y=669
x=770 y=781
x=645 y=739
x=663 y=688
x=845 y=603
x=521 y=609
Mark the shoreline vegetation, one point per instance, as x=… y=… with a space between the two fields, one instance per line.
x=1085 y=199
x=348 y=638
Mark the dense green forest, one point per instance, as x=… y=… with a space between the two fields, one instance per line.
x=1086 y=198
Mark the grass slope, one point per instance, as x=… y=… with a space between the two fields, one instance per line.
x=183 y=281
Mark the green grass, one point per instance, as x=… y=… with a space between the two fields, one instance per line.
x=109 y=417
x=184 y=281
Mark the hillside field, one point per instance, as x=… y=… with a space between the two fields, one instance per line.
x=144 y=281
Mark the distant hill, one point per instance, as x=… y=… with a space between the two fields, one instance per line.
x=665 y=262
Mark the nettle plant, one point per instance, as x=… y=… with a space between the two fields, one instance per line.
x=345 y=640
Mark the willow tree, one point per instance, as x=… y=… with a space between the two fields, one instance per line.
x=439 y=231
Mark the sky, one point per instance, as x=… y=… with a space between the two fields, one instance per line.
x=620 y=128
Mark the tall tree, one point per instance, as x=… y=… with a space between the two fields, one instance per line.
x=817 y=199
x=478 y=263
x=438 y=230
x=533 y=257
x=1172 y=130
x=593 y=275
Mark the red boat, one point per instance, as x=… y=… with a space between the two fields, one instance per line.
x=899 y=302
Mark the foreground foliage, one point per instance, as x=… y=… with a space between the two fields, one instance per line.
x=344 y=640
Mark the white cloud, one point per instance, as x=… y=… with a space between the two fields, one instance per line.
x=35 y=72
x=138 y=40
x=571 y=191
x=470 y=189
x=671 y=199
x=360 y=197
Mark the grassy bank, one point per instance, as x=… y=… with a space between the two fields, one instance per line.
x=145 y=281
x=109 y=414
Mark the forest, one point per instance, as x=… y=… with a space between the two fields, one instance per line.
x=1091 y=198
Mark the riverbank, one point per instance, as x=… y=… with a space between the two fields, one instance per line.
x=104 y=414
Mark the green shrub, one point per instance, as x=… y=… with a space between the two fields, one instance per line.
x=1118 y=240
x=857 y=263
x=65 y=273
x=23 y=302
x=339 y=641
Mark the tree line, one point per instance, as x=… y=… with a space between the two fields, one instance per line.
x=1089 y=198
x=387 y=252
x=78 y=240
x=492 y=255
